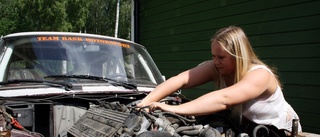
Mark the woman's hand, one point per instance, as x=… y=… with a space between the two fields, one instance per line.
x=162 y=106
x=144 y=104
x=151 y=106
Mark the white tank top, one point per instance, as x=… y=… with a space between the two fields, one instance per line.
x=273 y=110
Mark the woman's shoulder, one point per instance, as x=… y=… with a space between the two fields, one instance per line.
x=258 y=66
x=206 y=62
x=265 y=72
x=208 y=68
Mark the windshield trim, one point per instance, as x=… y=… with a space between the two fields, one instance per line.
x=49 y=91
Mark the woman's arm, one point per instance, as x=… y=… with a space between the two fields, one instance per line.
x=187 y=79
x=251 y=86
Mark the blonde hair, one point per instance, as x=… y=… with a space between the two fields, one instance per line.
x=235 y=42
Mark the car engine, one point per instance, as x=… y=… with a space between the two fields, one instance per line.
x=106 y=118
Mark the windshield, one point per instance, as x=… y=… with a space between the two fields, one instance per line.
x=38 y=57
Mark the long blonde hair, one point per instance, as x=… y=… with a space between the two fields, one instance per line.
x=235 y=42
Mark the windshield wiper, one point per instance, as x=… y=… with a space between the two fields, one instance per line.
x=66 y=86
x=114 y=82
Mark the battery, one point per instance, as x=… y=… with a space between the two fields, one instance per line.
x=22 y=112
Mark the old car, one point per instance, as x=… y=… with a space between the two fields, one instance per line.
x=61 y=84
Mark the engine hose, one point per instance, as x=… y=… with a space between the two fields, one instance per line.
x=16 y=124
x=183 y=121
x=180 y=117
x=153 y=118
x=184 y=128
x=194 y=132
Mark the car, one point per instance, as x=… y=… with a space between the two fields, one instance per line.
x=62 y=84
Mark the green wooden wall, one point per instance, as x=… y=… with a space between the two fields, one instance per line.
x=284 y=33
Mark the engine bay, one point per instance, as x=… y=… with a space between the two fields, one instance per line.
x=117 y=116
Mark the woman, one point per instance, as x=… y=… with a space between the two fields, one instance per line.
x=242 y=79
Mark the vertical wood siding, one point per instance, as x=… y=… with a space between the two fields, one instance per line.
x=285 y=34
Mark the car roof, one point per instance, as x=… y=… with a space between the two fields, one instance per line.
x=53 y=33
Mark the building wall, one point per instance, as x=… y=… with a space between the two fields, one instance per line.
x=284 y=34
